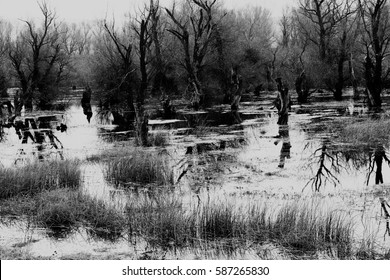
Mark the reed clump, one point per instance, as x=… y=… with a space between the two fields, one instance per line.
x=366 y=132
x=62 y=211
x=162 y=221
x=167 y=222
x=140 y=167
x=66 y=209
x=40 y=176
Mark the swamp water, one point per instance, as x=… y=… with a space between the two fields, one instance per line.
x=232 y=158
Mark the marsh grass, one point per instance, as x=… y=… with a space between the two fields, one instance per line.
x=140 y=167
x=63 y=211
x=301 y=230
x=37 y=177
x=66 y=209
x=308 y=230
x=365 y=132
x=161 y=221
x=104 y=221
x=159 y=139
x=15 y=254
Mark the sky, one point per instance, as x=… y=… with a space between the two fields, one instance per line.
x=87 y=10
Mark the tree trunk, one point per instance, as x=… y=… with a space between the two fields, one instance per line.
x=158 y=79
x=301 y=88
x=141 y=119
x=236 y=89
x=141 y=125
x=283 y=102
x=374 y=85
x=338 y=93
x=356 y=93
x=17 y=103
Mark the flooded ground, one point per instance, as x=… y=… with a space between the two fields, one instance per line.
x=225 y=156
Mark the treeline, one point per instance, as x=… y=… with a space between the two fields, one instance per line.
x=202 y=51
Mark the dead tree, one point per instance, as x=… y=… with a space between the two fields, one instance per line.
x=195 y=34
x=282 y=102
x=154 y=12
x=144 y=43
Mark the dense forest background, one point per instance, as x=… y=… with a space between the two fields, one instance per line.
x=201 y=51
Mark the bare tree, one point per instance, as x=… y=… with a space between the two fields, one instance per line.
x=5 y=37
x=38 y=59
x=375 y=18
x=344 y=38
x=285 y=27
x=76 y=38
x=195 y=34
x=144 y=33
x=158 y=61
x=255 y=26
x=118 y=51
x=323 y=17
x=328 y=25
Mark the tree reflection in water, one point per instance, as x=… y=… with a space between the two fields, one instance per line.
x=379 y=155
x=284 y=135
x=331 y=159
x=328 y=166
x=385 y=212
